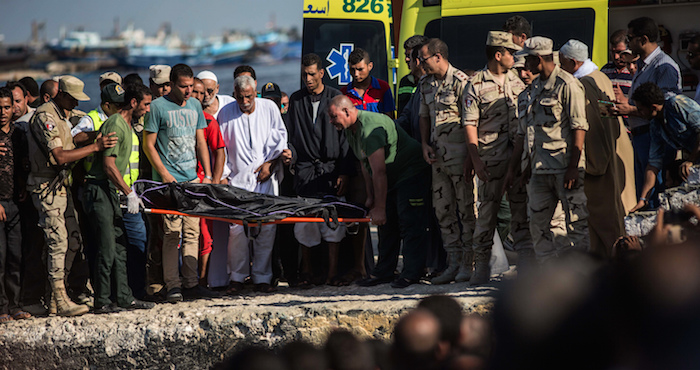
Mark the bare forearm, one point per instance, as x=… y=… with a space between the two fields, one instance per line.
x=379 y=184
x=219 y=159
x=115 y=176
x=368 y=182
x=472 y=137
x=203 y=156
x=150 y=150
x=68 y=156
x=579 y=138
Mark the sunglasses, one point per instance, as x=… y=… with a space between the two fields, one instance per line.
x=629 y=38
x=422 y=60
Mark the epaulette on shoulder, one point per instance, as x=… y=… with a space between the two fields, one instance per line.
x=461 y=75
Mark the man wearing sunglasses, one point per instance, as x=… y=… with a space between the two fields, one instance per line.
x=213 y=101
x=445 y=149
x=693 y=57
x=653 y=66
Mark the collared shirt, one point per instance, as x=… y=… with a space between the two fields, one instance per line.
x=618 y=77
x=7 y=163
x=660 y=69
x=549 y=112
x=441 y=101
x=86 y=124
x=377 y=98
x=493 y=108
x=678 y=127
x=52 y=128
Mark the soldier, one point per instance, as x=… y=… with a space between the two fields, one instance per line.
x=444 y=148
x=491 y=120
x=553 y=127
x=51 y=148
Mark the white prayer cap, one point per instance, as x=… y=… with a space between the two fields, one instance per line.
x=574 y=49
x=207 y=75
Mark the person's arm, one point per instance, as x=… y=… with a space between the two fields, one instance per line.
x=572 y=171
x=203 y=156
x=379 y=185
x=472 y=136
x=513 y=163
x=84 y=138
x=219 y=159
x=149 y=148
x=110 y=167
x=369 y=188
x=424 y=125
x=67 y=156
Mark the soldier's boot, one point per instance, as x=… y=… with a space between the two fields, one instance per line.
x=52 y=305
x=482 y=269
x=64 y=306
x=466 y=268
x=454 y=260
x=526 y=261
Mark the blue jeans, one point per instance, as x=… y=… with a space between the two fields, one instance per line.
x=641 y=144
x=135 y=228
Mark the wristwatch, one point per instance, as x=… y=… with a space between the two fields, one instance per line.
x=208 y=177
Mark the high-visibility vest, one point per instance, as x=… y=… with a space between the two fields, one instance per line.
x=97 y=123
x=132 y=172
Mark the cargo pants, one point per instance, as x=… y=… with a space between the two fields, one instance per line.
x=453 y=200
x=544 y=192
x=489 y=196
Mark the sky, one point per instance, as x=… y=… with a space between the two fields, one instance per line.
x=193 y=17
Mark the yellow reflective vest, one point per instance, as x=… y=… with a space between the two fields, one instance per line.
x=132 y=172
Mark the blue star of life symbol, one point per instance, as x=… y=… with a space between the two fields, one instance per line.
x=339 y=64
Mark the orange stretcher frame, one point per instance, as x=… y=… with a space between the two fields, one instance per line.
x=286 y=220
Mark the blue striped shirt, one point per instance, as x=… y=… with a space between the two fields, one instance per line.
x=660 y=69
x=678 y=126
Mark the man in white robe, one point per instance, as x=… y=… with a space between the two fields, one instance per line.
x=256 y=141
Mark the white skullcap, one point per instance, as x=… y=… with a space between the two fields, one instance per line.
x=207 y=75
x=574 y=49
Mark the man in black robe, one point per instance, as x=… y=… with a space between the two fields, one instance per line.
x=321 y=161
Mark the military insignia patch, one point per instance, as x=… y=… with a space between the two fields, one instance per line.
x=50 y=126
x=468 y=102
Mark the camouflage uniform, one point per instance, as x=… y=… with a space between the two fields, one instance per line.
x=549 y=113
x=441 y=100
x=493 y=109
x=57 y=216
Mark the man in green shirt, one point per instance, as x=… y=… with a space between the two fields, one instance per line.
x=101 y=199
x=398 y=184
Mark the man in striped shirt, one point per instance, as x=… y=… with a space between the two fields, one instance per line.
x=616 y=69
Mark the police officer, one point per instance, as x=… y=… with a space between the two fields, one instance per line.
x=444 y=148
x=552 y=130
x=51 y=150
x=491 y=120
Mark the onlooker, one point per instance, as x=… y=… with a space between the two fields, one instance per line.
x=653 y=66
x=409 y=82
x=51 y=146
x=217 y=154
x=675 y=123
x=444 y=148
x=693 y=57
x=367 y=92
x=33 y=91
x=322 y=163
x=605 y=173
x=553 y=121
x=256 y=139
x=104 y=183
x=131 y=79
x=520 y=28
x=284 y=108
x=616 y=69
x=174 y=141
x=491 y=120
x=213 y=102
x=108 y=78
x=417 y=344
x=409 y=115
x=11 y=235
x=159 y=80
x=397 y=186
x=49 y=90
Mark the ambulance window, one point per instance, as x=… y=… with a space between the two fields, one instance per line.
x=321 y=36
x=466 y=35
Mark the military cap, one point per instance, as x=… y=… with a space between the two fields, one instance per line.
x=537 y=45
x=500 y=38
x=73 y=87
x=112 y=93
x=159 y=73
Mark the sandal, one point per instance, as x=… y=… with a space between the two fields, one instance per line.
x=234 y=288
x=5 y=318
x=21 y=315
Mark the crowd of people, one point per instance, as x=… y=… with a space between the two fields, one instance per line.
x=547 y=150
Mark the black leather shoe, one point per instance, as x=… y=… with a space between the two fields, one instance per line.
x=401 y=283
x=108 y=308
x=140 y=305
x=372 y=281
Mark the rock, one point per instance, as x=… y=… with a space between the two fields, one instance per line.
x=200 y=333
